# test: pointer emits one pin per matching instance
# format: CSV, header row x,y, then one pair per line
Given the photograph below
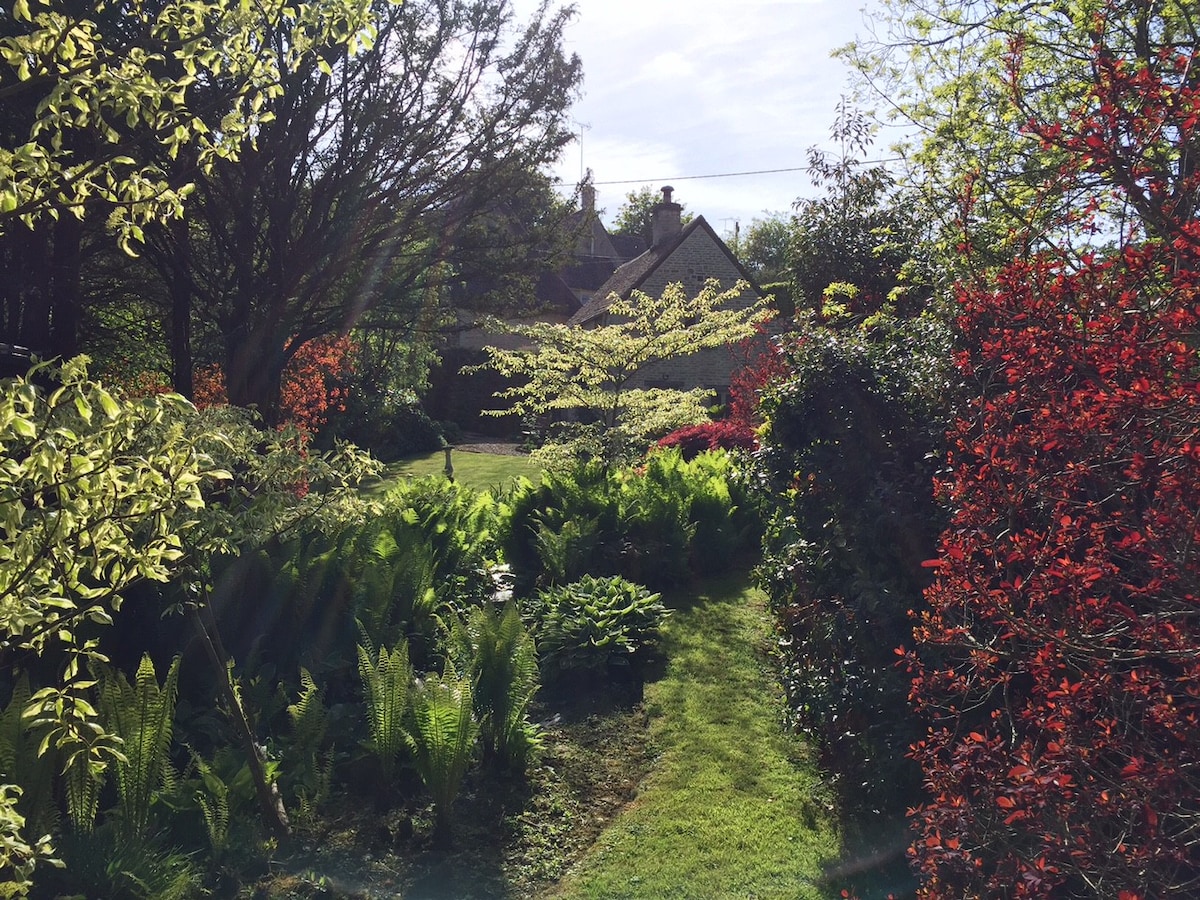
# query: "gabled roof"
x,y
588,273
637,272
592,238
554,293
628,246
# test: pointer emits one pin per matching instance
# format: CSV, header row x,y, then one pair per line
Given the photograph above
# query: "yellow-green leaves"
x,y
597,369
90,495
125,91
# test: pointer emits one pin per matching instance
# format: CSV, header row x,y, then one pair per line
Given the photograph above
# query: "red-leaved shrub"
x,y
1058,663
312,386
725,434
1060,656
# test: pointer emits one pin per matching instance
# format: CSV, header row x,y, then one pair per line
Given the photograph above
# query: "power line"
x,y
733,174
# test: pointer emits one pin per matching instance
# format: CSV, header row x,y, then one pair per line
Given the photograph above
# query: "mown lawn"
x,y
734,807
482,471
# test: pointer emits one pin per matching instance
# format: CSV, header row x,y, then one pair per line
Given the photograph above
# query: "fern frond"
x,y
442,739
22,765
386,678
142,716
83,782
12,726
308,715
213,800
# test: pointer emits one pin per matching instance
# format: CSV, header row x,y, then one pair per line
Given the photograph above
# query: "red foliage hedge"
x,y
1060,657
726,434
1059,660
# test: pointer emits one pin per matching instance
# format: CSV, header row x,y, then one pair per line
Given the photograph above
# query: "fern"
x,y
308,715
311,795
386,678
496,651
213,801
142,715
23,766
311,775
442,741
393,594
567,549
82,782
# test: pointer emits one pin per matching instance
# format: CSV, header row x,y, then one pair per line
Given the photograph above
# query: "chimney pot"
x,y
666,219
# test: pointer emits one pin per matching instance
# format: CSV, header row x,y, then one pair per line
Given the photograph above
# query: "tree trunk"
x,y
180,287
62,287
254,371
270,803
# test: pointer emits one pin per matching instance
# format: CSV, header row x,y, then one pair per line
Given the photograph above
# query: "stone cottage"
x,y
579,294
690,255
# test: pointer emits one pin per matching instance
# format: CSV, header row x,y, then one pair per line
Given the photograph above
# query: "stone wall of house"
x,y
696,260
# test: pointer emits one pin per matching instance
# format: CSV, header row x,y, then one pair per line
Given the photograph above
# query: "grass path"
x,y
733,808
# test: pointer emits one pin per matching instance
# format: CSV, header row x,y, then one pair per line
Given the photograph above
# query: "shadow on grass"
x,y
873,863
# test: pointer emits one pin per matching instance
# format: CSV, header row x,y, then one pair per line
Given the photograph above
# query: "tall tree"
x,y
862,231
108,113
764,248
364,194
635,216
965,76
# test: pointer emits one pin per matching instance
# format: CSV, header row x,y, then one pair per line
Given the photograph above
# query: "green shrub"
x,y
391,429
580,625
852,439
657,524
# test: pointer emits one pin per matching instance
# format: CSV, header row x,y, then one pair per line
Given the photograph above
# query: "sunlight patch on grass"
x,y
482,471
734,807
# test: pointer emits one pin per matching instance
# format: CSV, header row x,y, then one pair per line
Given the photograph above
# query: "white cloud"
x,y
677,88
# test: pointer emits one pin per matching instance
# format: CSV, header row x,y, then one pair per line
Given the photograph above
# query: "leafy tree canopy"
x,y
382,186
105,83
594,371
765,248
968,76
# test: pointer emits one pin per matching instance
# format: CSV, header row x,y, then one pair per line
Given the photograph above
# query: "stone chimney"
x,y
587,195
665,220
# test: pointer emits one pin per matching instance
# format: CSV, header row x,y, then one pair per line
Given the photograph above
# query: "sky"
x,y
680,88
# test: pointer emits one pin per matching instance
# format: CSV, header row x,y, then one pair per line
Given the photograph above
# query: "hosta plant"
x,y
580,625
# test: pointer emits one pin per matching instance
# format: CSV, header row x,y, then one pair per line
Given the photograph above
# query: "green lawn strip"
x,y
482,471
734,807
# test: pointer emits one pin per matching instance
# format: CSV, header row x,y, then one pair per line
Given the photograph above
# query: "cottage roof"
x,y
554,293
628,246
635,273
